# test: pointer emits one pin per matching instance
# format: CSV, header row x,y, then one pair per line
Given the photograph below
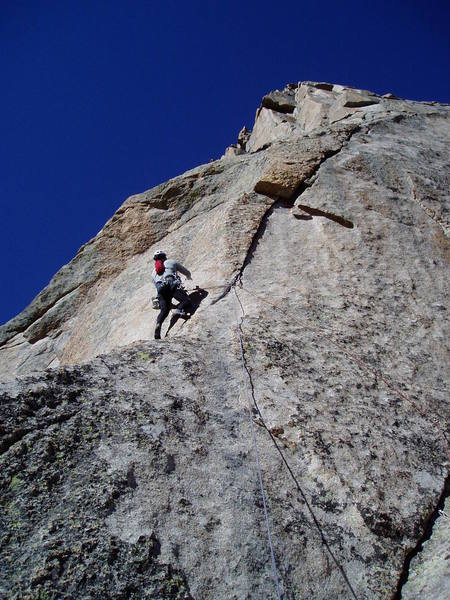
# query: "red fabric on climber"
x,y
159,266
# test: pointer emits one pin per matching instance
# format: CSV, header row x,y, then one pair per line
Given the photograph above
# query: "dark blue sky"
x,y
104,99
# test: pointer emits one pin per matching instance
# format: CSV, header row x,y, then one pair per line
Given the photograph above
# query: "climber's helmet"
x,y
159,255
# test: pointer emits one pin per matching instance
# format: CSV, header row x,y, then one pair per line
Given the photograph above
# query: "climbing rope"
x,y
287,465
374,372
364,366
258,464
246,375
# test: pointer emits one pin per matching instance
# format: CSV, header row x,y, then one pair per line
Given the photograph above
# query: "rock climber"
x,y
168,285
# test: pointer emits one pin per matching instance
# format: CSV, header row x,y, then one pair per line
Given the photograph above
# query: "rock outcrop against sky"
x,y
127,465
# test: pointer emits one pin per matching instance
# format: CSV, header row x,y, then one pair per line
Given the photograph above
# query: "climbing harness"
x,y
173,281
258,464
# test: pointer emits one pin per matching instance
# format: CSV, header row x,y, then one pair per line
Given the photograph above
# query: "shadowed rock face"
x,y
127,467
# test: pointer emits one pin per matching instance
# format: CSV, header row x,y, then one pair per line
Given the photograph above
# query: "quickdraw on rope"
x,y
258,464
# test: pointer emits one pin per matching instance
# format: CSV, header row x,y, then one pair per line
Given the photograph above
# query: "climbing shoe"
x,y
158,332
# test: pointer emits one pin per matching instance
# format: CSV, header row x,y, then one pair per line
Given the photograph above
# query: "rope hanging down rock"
x,y
258,464
375,373
288,467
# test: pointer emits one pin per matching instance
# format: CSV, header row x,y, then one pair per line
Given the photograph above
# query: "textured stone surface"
x,y
283,102
355,99
127,468
429,573
269,127
285,174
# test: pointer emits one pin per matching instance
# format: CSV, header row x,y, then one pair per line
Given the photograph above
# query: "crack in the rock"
x,y
251,250
426,535
288,203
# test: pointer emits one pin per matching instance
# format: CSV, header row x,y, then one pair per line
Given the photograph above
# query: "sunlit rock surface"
x,y
127,463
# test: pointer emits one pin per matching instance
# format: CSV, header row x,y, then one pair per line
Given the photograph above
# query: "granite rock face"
x,y
127,465
429,573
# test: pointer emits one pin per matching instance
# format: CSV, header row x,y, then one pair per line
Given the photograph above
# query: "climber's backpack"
x,y
159,266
